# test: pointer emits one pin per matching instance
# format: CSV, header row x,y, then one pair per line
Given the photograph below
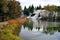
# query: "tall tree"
x,y
14,9
3,8
26,11
31,9
58,8
10,9
38,7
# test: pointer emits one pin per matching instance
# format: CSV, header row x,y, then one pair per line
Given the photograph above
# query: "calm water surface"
x,y
40,30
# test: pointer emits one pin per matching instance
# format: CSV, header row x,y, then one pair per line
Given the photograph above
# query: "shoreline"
x,y
11,29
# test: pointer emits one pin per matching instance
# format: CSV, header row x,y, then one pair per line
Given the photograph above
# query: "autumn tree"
x,y
10,9
14,9
51,8
3,8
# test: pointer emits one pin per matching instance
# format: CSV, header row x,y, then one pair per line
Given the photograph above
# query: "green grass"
x,y
8,33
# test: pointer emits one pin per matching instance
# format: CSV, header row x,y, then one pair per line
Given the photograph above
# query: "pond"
x,y
40,30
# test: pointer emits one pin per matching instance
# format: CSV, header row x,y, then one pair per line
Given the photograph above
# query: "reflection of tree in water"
x,y
38,28
29,24
45,27
52,30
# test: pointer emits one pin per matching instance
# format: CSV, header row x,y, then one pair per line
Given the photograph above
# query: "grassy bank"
x,y
11,29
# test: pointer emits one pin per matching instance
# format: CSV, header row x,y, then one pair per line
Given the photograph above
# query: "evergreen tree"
x,y
31,9
58,8
26,11
38,7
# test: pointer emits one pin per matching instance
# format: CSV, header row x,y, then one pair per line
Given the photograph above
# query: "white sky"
x,y
27,3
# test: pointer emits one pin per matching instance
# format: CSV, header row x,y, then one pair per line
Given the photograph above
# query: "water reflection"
x,y
44,26
40,30
28,24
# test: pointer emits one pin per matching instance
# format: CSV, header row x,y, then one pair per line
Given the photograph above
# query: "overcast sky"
x,y
27,3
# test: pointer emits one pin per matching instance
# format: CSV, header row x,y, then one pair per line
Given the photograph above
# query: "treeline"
x,y
58,8
51,8
9,9
26,11
30,9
